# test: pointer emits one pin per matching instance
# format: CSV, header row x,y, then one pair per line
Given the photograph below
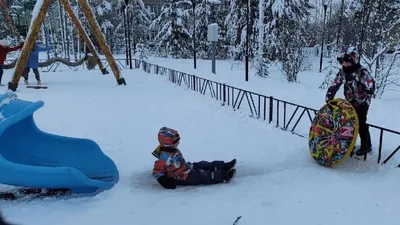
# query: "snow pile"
x,y
5,100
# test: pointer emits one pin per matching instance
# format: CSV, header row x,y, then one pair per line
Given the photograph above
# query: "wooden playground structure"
x,y
33,33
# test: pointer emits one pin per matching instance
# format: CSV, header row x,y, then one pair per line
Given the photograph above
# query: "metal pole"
x,y
214,51
125,34
247,41
130,20
323,37
213,43
194,33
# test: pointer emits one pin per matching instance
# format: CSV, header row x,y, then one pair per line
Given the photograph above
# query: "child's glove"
x,y
167,182
328,96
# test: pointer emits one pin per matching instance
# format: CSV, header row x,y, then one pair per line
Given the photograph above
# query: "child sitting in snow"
x,y
171,169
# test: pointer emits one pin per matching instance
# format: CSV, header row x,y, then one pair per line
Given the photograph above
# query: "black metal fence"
x,y
285,115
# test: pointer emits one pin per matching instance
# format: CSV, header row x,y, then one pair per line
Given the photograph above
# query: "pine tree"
x,y
289,17
261,62
223,41
140,17
173,27
205,14
236,25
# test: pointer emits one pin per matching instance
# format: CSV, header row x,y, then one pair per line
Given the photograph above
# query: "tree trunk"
x,y
339,32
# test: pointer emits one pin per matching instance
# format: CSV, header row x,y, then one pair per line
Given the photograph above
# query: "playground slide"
x,y
32,158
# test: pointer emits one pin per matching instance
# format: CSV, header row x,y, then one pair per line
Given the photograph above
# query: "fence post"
x,y
176,77
271,108
224,93
194,83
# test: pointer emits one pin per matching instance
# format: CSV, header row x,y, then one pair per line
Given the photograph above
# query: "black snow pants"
x,y
35,71
363,130
204,172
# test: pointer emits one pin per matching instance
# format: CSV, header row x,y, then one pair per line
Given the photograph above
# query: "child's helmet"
x,y
168,137
349,54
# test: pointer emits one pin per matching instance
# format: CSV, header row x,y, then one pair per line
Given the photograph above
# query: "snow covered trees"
x,y
374,27
283,27
380,26
289,20
173,27
205,14
236,28
136,24
279,31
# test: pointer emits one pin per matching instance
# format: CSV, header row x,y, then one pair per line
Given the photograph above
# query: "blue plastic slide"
x,y
32,158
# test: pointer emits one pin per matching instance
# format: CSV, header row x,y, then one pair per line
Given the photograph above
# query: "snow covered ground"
x,y
277,181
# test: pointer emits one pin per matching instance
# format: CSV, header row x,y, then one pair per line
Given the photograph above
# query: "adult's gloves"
x,y
329,96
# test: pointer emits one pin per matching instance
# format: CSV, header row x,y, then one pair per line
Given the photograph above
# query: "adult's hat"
x,y
349,54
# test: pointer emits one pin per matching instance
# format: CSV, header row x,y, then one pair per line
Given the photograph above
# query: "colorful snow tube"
x,y
333,133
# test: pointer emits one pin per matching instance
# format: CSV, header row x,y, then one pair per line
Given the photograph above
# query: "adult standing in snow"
x,y
359,87
4,50
33,63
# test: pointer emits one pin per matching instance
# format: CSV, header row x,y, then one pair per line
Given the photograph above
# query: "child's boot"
x,y
230,175
230,165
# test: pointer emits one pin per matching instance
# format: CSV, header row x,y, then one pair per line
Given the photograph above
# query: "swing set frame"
x,y
33,34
